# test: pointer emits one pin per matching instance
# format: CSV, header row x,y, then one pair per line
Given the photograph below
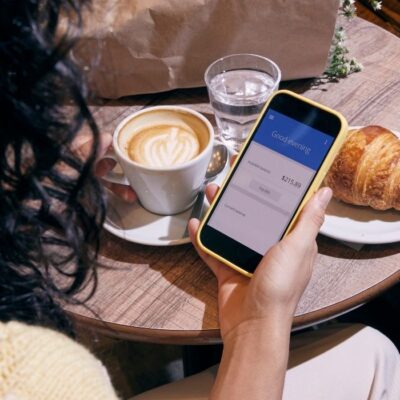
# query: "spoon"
x,y
217,163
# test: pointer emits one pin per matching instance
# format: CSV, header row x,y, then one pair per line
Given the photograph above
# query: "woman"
x,y
51,211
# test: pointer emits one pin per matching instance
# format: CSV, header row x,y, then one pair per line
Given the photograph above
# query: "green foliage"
x,y
340,64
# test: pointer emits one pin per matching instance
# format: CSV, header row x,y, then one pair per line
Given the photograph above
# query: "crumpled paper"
x,y
145,46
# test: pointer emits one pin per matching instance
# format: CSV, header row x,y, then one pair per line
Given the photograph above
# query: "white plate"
x,y
359,224
133,223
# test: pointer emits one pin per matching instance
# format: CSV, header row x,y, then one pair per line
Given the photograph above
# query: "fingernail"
x,y
324,197
129,196
109,163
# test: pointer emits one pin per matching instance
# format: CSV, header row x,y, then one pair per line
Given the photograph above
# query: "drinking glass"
x,y
238,86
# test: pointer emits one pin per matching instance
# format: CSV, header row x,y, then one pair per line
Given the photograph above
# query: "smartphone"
x,y
280,166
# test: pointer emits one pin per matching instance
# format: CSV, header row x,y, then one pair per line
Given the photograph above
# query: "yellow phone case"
x,y
319,177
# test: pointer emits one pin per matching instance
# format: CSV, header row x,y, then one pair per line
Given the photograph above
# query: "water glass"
x,y
238,86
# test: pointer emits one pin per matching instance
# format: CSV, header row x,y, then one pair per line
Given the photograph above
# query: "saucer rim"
x,y
155,242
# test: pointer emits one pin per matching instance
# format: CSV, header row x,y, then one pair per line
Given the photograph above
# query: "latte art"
x,y
164,146
164,153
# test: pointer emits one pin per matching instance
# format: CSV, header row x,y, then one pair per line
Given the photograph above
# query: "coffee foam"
x,y
163,146
163,138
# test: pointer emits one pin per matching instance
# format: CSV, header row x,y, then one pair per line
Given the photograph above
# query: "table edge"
x,y
212,336
346,305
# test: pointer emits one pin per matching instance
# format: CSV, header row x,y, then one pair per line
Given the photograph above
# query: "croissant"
x,y
366,171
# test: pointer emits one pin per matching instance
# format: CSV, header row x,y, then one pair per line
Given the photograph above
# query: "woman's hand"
x,y
82,146
255,315
279,280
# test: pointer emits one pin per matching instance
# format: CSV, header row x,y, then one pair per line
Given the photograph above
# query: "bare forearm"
x,y
254,362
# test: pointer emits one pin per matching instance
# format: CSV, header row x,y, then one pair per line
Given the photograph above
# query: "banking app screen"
x,y
273,176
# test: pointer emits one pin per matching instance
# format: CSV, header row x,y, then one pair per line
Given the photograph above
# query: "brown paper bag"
x,y
144,46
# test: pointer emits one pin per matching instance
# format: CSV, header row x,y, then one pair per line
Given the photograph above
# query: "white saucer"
x,y
359,224
133,223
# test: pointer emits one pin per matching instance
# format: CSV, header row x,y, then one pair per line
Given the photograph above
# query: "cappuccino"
x,y
164,153
163,139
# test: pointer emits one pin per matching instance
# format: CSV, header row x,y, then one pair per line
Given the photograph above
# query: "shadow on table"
x,y
186,275
303,85
334,248
189,96
193,96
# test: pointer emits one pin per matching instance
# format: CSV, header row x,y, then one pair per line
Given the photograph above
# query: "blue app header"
x,y
293,139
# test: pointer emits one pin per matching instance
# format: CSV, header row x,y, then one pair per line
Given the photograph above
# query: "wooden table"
x,y
167,294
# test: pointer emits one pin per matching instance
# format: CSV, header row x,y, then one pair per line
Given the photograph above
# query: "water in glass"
x,y
237,98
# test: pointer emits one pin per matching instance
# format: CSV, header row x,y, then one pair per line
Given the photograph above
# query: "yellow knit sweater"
x,y
41,364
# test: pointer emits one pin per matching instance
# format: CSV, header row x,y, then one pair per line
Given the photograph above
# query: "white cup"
x,y
163,190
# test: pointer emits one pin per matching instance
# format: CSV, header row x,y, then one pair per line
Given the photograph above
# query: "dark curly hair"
x,y
51,205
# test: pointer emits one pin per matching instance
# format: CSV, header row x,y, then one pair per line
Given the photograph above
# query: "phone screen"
x,y
269,183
